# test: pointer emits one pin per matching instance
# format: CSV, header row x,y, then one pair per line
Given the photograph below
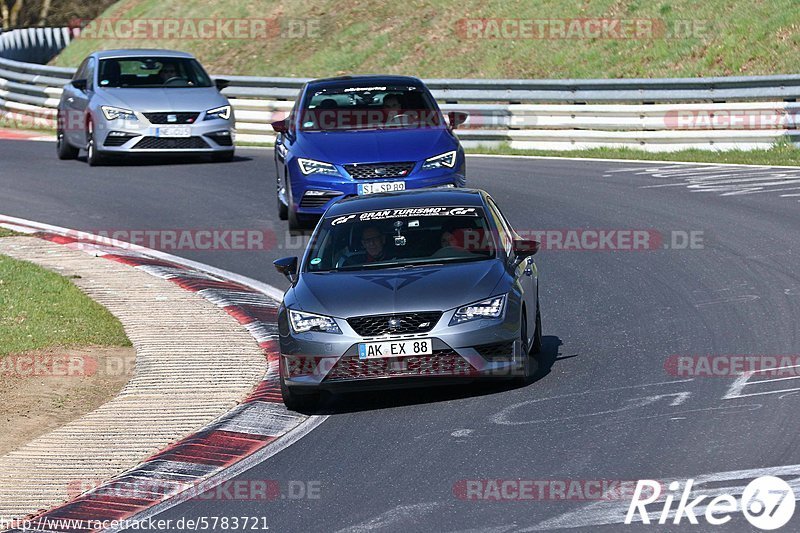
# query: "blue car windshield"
x,y
343,107
402,237
152,72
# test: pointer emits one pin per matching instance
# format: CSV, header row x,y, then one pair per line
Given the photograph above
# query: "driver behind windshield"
x,y
374,243
167,72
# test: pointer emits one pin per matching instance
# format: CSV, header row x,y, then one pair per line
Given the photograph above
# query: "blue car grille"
x,y
369,171
317,200
396,324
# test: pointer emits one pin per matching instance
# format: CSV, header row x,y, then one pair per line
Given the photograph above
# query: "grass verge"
x,y
40,309
453,38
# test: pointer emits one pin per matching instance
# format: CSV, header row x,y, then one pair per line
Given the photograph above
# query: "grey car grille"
x,y
395,324
441,363
171,118
170,143
379,170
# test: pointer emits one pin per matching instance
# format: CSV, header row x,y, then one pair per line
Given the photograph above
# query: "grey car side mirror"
x,y
79,84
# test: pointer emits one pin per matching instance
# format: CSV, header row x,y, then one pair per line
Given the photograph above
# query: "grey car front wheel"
x,y
93,157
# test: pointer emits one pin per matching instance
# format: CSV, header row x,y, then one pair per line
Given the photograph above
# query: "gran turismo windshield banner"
x,y
385,214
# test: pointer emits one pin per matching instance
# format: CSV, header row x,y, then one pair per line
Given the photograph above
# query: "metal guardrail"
x,y
651,114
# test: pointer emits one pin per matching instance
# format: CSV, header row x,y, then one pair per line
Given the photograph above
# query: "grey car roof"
x,y
138,52
410,198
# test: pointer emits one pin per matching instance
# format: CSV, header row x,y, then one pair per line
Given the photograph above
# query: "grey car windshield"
x,y
401,237
152,72
358,108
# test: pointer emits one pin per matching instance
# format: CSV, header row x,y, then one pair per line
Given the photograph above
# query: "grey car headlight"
x,y
303,322
445,160
223,112
307,166
489,308
114,113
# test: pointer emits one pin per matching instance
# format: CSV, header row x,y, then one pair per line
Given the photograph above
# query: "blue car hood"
x,y
366,292
374,146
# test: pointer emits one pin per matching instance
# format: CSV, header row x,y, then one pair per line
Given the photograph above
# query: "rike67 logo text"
x,y
767,502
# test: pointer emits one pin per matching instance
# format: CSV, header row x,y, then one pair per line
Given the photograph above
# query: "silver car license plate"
x,y
376,350
174,131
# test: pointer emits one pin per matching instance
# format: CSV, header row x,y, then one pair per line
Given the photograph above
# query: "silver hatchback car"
x,y
144,101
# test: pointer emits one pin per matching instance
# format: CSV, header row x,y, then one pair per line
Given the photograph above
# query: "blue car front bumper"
x,y
314,193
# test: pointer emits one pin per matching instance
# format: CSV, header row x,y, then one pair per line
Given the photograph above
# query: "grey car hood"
x,y
430,288
169,99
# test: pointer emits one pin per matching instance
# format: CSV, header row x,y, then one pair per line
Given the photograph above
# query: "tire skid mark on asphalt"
x,y
184,466
723,180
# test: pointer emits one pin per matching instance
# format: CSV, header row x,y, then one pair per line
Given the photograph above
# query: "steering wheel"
x,y
396,119
174,79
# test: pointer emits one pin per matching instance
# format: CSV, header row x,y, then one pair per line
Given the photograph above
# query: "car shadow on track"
x,y
350,402
163,160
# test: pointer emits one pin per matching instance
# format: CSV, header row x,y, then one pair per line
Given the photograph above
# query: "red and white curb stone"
x,y
211,455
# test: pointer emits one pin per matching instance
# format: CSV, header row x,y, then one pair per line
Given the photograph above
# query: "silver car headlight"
x,y
445,160
307,166
114,113
303,322
489,308
223,112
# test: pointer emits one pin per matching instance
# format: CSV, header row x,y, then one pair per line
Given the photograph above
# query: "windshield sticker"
x,y
316,261
352,89
407,212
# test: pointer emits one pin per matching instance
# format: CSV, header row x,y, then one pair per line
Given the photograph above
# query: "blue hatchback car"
x,y
358,135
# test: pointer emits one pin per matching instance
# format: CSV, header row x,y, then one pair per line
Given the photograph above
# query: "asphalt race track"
x,y
604,406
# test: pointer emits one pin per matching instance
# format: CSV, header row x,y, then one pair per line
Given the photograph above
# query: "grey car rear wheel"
x,y
528,365
63,148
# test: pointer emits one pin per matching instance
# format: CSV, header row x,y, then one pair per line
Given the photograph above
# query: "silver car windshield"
x,y
404,237
151,72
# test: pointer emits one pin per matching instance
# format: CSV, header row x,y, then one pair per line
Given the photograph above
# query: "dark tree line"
x,y
25,13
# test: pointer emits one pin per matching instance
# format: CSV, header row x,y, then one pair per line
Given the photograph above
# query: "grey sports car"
x,y
143,101
408,288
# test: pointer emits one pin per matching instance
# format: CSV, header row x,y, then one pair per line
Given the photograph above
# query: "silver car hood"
x,y
366,292
171,99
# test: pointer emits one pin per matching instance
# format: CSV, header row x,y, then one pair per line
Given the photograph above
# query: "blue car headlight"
x,y
223,112
114,113
303,322
445,160
489,308
309,166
